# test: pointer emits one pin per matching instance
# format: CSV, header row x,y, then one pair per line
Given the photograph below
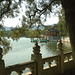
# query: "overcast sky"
x,y
15,21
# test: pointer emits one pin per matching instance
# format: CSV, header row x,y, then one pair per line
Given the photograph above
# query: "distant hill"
x,y
41,27
7,28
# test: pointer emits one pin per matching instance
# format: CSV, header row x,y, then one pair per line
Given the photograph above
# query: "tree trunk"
x,y
69,7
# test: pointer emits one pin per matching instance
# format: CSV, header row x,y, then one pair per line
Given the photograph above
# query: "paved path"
x,y
70,72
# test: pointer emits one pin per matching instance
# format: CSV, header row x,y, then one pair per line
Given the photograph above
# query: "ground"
x,y
70,72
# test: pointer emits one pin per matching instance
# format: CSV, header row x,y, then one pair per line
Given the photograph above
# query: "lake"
x,y
22,50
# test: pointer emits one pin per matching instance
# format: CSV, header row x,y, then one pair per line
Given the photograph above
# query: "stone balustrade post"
x,y
61,56
37,57
2,65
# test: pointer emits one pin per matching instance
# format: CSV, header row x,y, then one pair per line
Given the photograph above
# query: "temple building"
x,y
53,34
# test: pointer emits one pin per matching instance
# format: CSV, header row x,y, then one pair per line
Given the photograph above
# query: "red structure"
x,y
52,32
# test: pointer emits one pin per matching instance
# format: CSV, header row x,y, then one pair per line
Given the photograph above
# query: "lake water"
x,y
22,50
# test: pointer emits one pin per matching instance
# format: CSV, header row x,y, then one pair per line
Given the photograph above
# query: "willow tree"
x,y
34,34
8,8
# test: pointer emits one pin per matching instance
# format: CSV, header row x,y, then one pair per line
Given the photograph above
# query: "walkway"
x,y
70,72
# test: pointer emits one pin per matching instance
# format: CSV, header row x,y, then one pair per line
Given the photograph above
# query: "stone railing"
x,y
68,57
57,64
19,68
49,61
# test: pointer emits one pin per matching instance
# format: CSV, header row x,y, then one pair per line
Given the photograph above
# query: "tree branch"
x,y
47,6
8,9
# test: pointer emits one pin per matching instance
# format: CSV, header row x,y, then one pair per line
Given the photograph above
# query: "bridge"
x,y
56,65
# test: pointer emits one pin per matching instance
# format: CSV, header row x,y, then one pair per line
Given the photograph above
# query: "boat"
x,y
34,40
41,41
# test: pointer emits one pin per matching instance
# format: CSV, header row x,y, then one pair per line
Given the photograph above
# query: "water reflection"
x,y
22,50
53,46
50,46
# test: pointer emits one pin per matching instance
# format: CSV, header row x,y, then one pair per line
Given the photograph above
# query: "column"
x,y
61,56
37,57
2,65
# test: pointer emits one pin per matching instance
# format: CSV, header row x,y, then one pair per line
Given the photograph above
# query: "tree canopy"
x,y
34,12
62,27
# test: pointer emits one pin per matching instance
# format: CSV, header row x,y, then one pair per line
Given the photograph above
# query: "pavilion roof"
x,y
51,29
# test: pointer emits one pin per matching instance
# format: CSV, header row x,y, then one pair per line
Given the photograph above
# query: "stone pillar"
x,y
61,56
2,65
37,57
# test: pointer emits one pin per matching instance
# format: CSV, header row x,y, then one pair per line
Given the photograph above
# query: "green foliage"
x,y
61,24
2,33
44,32
19,32
9,8
32,16
7,33
34,34
5,44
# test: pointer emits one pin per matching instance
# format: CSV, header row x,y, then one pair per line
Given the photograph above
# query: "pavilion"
x,y
52,34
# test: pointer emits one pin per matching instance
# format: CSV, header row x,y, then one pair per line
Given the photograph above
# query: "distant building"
x,y
53,34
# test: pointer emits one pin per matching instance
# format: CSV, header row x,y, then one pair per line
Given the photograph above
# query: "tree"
x,y
7,9
34,34
31,17
4,43
18,32
61,24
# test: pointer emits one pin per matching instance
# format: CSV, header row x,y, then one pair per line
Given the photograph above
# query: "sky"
x,y
13,22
